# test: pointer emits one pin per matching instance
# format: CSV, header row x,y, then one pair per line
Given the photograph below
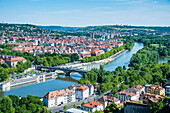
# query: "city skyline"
x,y
86,12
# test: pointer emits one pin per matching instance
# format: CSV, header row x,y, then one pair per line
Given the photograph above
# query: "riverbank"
x,y
40,89
6,85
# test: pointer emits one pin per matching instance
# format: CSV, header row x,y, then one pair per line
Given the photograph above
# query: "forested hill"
x,y
126,28
14,30
60,28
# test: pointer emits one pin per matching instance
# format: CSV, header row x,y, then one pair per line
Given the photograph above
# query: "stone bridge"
x,y
66,70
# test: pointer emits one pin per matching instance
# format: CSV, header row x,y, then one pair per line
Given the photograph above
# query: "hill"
x,y
125,28
60,28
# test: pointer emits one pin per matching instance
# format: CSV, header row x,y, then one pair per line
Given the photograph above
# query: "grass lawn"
x,y
157,45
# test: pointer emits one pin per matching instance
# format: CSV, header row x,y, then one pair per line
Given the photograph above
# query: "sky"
x,y
80,13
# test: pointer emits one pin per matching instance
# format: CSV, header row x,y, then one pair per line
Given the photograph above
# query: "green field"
x,y
157,45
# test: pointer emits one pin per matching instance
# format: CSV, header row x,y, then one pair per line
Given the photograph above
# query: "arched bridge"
x,y
67,70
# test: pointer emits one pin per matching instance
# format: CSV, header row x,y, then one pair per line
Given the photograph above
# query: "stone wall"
x,y
130,107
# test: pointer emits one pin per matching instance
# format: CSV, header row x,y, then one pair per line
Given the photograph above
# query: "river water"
x,y
40,89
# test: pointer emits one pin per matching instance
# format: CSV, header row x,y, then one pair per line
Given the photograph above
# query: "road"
x,y
78,103
70,105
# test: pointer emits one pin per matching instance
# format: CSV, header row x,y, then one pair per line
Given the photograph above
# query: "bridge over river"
x,y
66,70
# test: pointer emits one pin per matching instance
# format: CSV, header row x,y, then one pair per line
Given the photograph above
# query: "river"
x,y
40,89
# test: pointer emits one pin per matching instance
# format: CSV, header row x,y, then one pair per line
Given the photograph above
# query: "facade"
x,y
131,107
2,61
91,89
74,86
105,100
124,95
155,89
96,52
85,54
167,91
150,98
137,89
11,60
93,106
59,97
74,110
82,92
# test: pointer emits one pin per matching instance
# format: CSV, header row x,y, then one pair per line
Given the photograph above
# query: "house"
x,y
155,89
74,110
85,54
150,98
105,100
91,88
96,52
137,89
125,95
59,97
12,61
82,92
93,106
2,61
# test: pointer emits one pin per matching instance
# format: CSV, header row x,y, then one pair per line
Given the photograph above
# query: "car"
x,y
59,105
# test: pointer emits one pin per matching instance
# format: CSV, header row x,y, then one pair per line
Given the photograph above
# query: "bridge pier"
x,y
67,73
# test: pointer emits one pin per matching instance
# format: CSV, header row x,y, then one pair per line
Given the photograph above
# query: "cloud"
x,y
154,2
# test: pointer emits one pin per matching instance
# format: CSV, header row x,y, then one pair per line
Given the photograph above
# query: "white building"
x,y
91,89
59,97
82,92
138,90
124,95
75,110
93,106
74,86
105,100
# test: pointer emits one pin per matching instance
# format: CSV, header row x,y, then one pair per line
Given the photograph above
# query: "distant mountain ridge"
x,y
60,28
125,27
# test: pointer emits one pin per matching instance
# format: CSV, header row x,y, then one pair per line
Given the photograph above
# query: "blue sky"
x,y
86,12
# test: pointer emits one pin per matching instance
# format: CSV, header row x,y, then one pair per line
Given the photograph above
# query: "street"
x,y
70,105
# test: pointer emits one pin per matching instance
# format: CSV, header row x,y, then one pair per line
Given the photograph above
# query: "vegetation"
x,y
160,107
157,43
75,106
125,28
102,56
65,107
142,70
9,47
29,104
6,71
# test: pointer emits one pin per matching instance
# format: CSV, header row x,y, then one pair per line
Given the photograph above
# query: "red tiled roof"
x,y
92,104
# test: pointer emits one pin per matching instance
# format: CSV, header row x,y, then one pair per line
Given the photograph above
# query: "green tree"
x,y
75,106
65,107
6,105
74,57
82,103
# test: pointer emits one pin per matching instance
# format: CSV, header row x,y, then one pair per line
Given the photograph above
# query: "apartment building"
x,y
91,88
59,97
82,92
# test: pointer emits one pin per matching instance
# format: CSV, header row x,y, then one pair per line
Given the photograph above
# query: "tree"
x,y
74,57
65,107
6,105
82,103
75,106
32,107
